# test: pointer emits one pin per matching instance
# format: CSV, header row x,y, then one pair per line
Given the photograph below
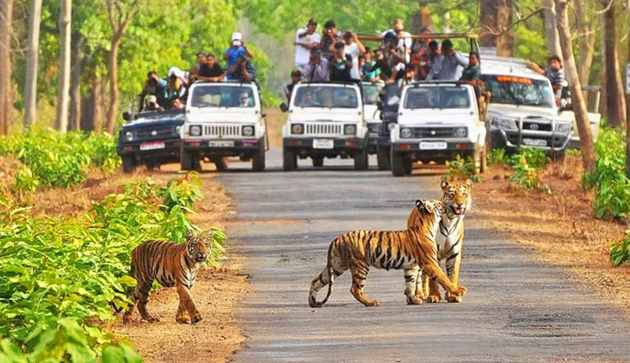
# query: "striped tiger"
x,y
457,200
358,250
171,265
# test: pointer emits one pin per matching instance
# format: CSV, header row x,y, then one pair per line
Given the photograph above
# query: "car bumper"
x,y
514,140
338,144
155,150
222,147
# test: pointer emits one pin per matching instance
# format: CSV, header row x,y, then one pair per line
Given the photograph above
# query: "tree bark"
x,y
114,94
75,85
551,28
421,18
63,96
6,20
92,112
487,23
628,107
577,98
586,41
505,42
615,102
32,55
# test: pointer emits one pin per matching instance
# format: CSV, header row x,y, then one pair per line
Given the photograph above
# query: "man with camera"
x,y
330,36
237,46
317,68
305,40
243,70
156,86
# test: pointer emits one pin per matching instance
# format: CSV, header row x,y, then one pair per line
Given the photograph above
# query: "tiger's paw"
x,y
434,298
195,319
182,320
459,291
371,303
126,318
453,298
151,318
414,300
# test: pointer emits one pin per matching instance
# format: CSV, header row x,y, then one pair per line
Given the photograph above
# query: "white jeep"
x,y
436,122
223,119
326,120
522,110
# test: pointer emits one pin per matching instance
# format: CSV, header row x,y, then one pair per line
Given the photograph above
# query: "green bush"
x,y
612,199
619,251
535,158
461,169
498,157
58,277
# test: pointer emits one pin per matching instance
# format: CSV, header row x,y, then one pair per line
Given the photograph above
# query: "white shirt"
x,y
353,50
302,54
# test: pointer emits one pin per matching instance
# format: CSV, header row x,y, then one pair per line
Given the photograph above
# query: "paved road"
x,y
516,310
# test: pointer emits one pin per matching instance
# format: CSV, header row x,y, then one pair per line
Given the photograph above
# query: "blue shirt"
x,y
233,57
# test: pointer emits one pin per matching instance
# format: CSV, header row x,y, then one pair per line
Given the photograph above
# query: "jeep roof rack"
x,y
332,82
437,82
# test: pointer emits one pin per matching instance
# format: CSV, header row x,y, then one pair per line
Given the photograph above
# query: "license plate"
x,y
152,145
221,143
323,144
535,142
374,135
433,146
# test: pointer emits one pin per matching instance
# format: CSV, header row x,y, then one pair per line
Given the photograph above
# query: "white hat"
x,y
237,36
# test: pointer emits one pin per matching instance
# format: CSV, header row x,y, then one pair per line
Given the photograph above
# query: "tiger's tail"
x,y
331,279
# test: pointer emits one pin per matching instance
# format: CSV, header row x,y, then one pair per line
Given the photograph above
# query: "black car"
x,y
151,138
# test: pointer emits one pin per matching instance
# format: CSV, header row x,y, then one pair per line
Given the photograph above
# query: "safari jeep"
x,y
523,111
150,138
326,120
436,122
223,119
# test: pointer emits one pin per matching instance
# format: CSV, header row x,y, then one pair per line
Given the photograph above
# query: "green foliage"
x,y
535,158
462,169
613,186
620,251
59,277
498,157
525,175
51,159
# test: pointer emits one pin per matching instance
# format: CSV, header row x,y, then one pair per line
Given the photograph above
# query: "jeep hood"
x,y
515,111
426,116
324,114
223,115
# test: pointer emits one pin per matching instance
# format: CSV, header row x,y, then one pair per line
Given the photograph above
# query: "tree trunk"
x,y
615,102
586,42
628,106
32,54
112,112
6,19
63,96
505,42
75,85
92,113
577,98
421,18
487,23
551,28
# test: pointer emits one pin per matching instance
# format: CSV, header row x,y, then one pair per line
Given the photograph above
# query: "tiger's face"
x,y
198,246
457,197
430,210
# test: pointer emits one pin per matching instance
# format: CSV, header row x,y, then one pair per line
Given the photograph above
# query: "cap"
x,y
152,99
390,36
237,36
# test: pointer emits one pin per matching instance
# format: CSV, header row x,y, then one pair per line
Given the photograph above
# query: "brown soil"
x,y
558,223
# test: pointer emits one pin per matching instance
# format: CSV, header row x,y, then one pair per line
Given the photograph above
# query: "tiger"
x,y
171,265
358,250
457,200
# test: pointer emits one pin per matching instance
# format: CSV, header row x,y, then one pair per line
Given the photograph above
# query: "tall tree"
x,y
421,18
551,27
495,31
577,97
63,97
586,39
6,20
120,13
628,105
615,102
32,56
75,81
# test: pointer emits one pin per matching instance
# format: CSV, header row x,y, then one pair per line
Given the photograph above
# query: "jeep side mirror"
x,y
127,116
284,107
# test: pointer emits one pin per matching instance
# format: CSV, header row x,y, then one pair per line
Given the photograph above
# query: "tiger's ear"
x,y
419,203
469,182
444,184
189,234
210,234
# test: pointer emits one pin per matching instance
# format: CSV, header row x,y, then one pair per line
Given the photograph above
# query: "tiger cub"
x,y
457,200
171,265
358,250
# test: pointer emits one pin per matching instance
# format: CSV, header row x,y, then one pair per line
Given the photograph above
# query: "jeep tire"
x,y
220,162
289,159
397,161
407,164
128,164
361,159
318,161
258,159
382,156
190,161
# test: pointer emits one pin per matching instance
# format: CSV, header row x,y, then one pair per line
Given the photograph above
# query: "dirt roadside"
x,y
560,225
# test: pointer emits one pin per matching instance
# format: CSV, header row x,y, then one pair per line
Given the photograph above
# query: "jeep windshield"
x,y
217,95
451,97
371,92
514,90
326,97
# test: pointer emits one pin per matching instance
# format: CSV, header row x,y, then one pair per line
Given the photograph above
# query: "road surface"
x,y
516,309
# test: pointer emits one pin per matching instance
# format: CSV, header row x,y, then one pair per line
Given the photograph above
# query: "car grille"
x,y
374,127
324,129
536,126
155,133
433,132
222,130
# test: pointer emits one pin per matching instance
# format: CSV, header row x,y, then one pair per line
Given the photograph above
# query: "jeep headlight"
x,y
505,124
129,136
460,132
349,130
391,126
405,133
297,129
178,130
563,128
248,130
195,130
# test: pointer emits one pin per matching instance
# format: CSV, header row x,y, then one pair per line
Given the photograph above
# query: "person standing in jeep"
x,y
237,46
210,71
340,64
305,40
330,36
243,70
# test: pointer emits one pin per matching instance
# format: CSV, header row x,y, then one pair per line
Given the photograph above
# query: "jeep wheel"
x,y
397,163
190,161
128,164
318,161
289,160
152,165
258,161
407,164
220,162
382,156
361,159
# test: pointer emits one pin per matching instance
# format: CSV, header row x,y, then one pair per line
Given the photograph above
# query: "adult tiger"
x,y
358,250
457,200
171,265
